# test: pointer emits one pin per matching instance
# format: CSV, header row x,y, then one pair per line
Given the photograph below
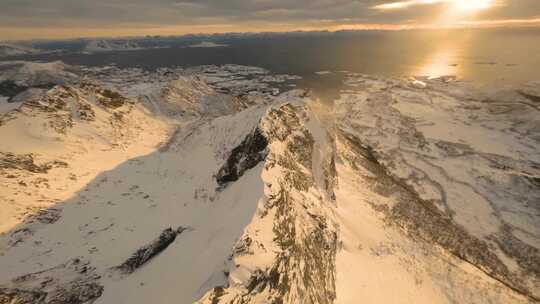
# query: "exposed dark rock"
x,y
76,294
530,97
11,89
243,246
18,296
306,238
311,250
244,157
46,216
86,112
26,162
294,174
304,268
284,125
527,256
258,280
284,121
70,283
49,103
534,181
146,253
111,99
330,175
216,294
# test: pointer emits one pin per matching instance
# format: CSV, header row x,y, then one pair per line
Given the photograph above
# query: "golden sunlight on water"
x,y
443,61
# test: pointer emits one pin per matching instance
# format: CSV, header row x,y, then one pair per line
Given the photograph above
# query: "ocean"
x,y
492,57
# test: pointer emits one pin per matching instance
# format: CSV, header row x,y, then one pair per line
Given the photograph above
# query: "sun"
x,y
456,11
472,5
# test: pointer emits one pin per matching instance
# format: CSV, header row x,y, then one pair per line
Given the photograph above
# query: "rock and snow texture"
x,y
15,50
21,81
95,46
208,185
36,74
450,167
368,199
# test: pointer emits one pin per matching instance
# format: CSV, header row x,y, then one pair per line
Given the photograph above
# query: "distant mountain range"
x,y
110,45
98,45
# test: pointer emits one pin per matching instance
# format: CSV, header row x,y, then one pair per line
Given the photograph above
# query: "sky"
x,y
28,19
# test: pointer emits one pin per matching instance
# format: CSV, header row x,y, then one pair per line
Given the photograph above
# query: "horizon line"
x,y
485,24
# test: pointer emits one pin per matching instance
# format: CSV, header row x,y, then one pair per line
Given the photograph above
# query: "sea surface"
x,y
485,56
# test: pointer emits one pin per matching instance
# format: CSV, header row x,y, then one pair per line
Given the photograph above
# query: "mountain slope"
x,y
375,221
15,50
206,185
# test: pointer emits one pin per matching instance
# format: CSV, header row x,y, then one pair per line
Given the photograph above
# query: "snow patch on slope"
x,y
15,50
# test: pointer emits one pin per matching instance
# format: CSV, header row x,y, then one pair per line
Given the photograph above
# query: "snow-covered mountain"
x,y
15,50
209,185
207,44
102,45
34,74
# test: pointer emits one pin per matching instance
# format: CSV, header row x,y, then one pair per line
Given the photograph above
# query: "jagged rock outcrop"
x,y
146,253
244,157
304,237
374,148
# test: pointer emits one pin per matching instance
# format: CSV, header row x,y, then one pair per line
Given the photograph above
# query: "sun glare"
x,y
459,10
472,5
461,5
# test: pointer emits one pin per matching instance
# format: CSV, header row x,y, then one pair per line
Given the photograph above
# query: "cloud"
x,y
532,21
459,4
152,14
406,4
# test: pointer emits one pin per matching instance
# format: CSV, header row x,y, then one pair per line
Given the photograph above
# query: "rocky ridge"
x,y
430,189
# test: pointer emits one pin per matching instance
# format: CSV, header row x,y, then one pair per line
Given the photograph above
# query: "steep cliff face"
x,y
287,253
370,197
205,185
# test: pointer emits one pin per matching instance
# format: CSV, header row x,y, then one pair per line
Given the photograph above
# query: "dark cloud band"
x,y
156,13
